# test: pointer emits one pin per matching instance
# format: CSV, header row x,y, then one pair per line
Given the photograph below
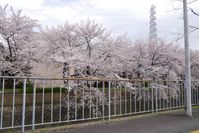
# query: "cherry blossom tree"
x,y
194,64
158,61
75,46
16,32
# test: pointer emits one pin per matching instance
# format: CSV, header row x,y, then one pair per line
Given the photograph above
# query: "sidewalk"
x,y
172,122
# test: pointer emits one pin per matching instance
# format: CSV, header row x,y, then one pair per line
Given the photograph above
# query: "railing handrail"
x,y
90,79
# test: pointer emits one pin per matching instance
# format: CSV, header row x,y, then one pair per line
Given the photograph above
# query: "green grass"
x,y
46,90
195,107
30,90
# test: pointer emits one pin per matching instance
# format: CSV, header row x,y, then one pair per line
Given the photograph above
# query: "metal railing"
x,y
30,102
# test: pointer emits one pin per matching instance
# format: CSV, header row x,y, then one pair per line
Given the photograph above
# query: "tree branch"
x,y
192,1
194,12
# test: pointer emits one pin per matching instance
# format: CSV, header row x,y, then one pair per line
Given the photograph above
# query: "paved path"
x,y
174,122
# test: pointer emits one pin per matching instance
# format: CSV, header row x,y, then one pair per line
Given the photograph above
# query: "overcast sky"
x,y
118,16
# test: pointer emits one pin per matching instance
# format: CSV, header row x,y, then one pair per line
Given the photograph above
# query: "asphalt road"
x,y
175,122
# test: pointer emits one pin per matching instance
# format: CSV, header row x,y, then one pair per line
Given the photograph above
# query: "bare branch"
x,y
192,29
194,12
192,1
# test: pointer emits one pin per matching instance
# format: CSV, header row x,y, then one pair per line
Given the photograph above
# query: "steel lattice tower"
x,y
152,28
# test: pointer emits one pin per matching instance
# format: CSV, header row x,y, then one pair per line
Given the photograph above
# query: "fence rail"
x,y
30,102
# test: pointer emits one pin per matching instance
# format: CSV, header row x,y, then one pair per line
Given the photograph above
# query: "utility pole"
x,y
187,61
153,25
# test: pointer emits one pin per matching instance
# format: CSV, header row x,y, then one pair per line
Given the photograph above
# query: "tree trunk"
x,y
65,73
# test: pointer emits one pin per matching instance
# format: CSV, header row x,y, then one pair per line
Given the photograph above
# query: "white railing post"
x,y
144,94
109,100
120,99
68,102
97,100
83,102
156,97
2,102
152,100
43,98
197,96
130,101
125,101
24,104
90,100
52,93
140,97
60,101
148,94
13,101
33,106
75,103
103,86
115,109
135,100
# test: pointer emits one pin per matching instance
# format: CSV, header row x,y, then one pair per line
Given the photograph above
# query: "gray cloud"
x,y
58,3
118,16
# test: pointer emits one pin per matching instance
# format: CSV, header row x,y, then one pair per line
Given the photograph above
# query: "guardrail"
x,y
30,102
